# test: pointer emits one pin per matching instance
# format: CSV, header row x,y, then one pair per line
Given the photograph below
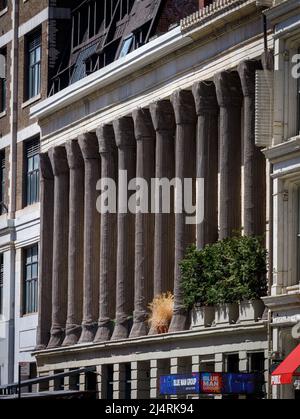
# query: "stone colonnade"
x,y
98,273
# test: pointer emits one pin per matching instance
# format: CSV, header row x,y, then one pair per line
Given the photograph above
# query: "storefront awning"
x,y
286,370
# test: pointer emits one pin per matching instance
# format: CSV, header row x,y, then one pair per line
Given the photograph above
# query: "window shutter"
x,y
264,108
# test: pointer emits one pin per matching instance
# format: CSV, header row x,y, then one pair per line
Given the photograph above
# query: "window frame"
x,y
3,208
3,5
3,84
33,86
30,304
31,175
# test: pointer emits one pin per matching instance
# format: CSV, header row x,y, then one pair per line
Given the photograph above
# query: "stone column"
x,y
76,223
46,252
254,160
229,94
124,134
144,225
207,109
90,151
164,124
58,158
108,238
185,162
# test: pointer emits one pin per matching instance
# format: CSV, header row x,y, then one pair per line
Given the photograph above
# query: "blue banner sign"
x,y
211,383
179,384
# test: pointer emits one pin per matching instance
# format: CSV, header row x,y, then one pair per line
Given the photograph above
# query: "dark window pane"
x,y
33,173
31,280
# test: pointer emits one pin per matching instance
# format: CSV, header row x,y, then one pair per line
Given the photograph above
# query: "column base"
x,y
122,329
179,322
139,329
88,333
104,332
73,333
56,339
152,331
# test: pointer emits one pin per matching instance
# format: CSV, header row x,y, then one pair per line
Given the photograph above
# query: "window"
x,y
3,5
3,208
1,282
2,80
232,363
30,280
34,55
298,100
127,44
32,149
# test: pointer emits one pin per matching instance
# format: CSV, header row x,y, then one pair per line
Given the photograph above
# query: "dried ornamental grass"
x,y
161,310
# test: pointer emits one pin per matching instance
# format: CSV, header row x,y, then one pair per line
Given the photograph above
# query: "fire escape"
x,y
102,32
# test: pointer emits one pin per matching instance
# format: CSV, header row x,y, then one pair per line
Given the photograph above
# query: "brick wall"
x,y
5,120
174,11
5,20
20,177
30,8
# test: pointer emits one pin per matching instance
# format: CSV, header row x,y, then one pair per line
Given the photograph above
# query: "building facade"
x,y
154,89
28,31
153,112
284,162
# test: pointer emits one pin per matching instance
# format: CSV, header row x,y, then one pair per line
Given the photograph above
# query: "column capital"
x,y
246,71
205,98
229,89
106,139
124,132
163,117
59,162
143,126
89,146
45,166
184,107
74,155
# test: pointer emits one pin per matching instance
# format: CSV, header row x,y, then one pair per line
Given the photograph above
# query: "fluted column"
x,y
108,239
144,223
207,109
164,124
254,160
58,158
45,252
229,94
125,141
90,152
76,223
185,161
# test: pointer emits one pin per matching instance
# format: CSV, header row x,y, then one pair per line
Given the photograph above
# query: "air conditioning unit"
x,y
2,66
264,108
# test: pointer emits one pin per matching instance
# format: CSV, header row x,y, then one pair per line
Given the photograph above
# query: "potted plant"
x,y
196,284
161,310
229,275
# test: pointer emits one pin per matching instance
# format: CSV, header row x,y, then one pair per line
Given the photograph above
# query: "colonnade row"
x,y
98,273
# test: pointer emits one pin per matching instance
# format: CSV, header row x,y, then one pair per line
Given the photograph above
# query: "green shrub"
x,y
228,271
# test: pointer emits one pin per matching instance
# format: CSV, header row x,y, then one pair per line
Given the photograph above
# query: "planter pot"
x,y
251,311
202,317
227,314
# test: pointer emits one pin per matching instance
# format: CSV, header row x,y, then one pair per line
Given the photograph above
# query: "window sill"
x,y
2,114
31,101
3,12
